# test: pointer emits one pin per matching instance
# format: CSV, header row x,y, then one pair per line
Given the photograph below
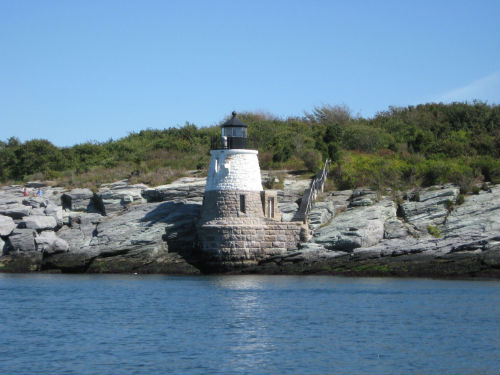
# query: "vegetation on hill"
x,y
401,147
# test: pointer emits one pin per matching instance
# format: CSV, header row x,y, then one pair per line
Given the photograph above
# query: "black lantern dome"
x,y
234,133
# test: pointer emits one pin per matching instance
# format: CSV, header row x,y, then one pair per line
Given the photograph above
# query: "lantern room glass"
x,y
234,131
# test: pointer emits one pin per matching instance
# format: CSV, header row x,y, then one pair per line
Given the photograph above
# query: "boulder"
x,y
15,210
35,202
38,222
38,211
56,212
49,243
356,227
78,200
22,240
7,225
114,198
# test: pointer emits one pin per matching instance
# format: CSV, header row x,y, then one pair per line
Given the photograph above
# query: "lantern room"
x,y
234,133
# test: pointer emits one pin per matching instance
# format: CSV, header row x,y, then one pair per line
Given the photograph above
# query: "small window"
x,y
242,203
216,167
270,207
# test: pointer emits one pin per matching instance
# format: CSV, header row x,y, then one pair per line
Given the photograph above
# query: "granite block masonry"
x,y
240,224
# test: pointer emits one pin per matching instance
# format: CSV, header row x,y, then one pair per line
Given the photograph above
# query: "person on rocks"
x,y
25,192
40,192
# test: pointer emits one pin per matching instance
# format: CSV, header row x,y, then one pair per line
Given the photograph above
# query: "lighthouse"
x,y
240,224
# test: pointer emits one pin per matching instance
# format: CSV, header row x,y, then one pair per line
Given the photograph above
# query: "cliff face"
x,y
134,228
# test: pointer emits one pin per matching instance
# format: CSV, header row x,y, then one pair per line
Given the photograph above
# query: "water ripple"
x,y
88,324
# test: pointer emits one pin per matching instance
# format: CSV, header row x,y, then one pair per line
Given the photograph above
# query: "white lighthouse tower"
x,y
240,223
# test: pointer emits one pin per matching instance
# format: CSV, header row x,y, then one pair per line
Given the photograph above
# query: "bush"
x,y
488,167
312,160
433,231
401,147
365,138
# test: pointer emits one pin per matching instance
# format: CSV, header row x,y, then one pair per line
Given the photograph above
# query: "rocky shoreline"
x,y
123,228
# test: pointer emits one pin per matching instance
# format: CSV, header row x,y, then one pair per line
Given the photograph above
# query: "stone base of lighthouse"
x,y
228,246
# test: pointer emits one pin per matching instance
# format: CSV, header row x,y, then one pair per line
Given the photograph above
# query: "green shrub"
x,y
312,160
400,148
433,231
273,182
366,138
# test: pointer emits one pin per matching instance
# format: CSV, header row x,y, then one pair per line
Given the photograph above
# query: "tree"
x,y
328,114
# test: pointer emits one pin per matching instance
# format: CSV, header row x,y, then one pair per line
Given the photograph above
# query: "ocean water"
x,y
132,324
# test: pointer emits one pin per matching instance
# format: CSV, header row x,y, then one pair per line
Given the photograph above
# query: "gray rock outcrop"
x,y
79,200
80,230
480,213
7,225
363,197
22,240
186,188
15,210
134,228
431,207
395,228
48,242
141,227
38,222
114,198
56,212
356,227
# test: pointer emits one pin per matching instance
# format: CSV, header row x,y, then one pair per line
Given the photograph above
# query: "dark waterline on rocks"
x,y
88,324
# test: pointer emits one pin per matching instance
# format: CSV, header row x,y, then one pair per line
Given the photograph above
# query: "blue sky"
x,y
77,71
